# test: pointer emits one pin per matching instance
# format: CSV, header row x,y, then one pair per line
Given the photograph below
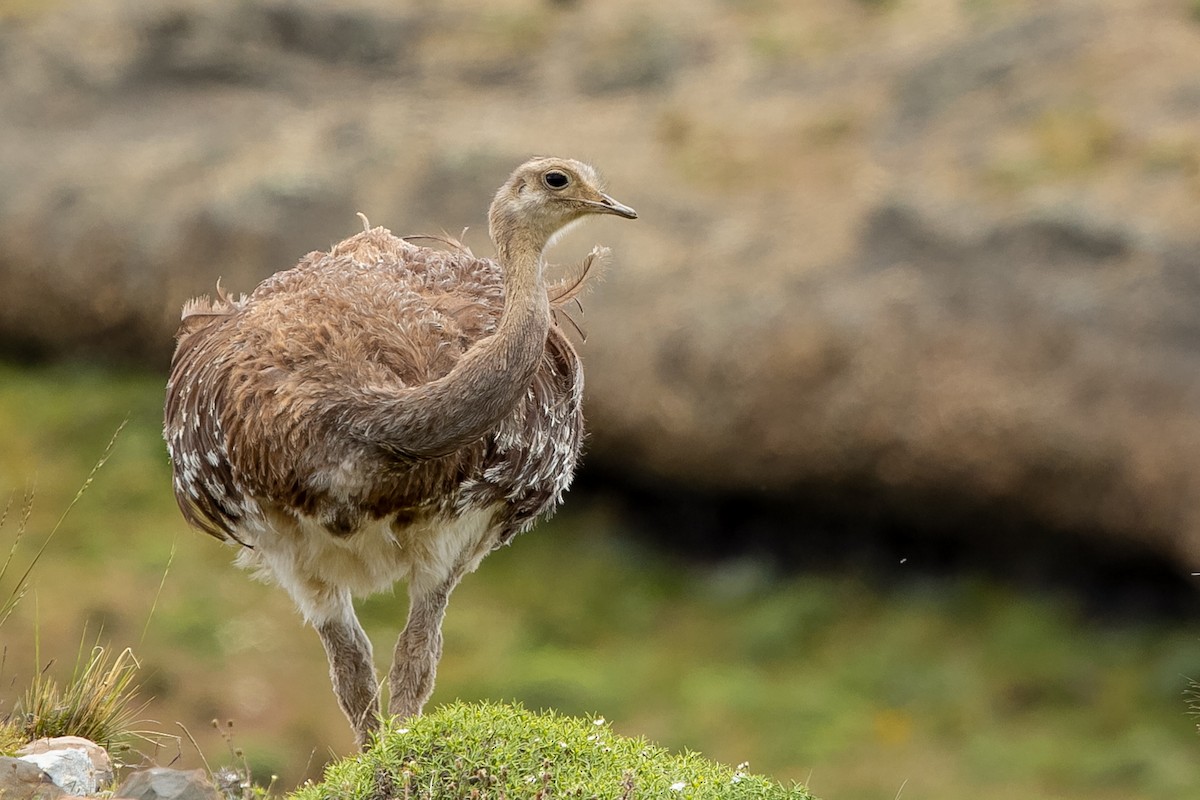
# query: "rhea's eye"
x,y
555,179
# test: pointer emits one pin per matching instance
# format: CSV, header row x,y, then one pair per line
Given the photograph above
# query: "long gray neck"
x,y
483,388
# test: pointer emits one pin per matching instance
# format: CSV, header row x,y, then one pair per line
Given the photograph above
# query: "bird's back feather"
x,y
256,412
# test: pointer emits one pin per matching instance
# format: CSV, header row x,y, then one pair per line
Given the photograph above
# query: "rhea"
x,y
381,412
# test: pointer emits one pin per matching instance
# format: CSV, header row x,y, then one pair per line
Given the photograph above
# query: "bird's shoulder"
x,y
378,257
374,304
379,291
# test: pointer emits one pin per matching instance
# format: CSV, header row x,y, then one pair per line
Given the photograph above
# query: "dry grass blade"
x,y
22,585
108,448
157,595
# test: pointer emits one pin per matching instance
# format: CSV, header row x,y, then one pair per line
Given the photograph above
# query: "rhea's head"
x,y
545,195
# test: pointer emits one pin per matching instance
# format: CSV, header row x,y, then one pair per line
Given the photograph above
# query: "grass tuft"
x,y
97,703
11,738
501,752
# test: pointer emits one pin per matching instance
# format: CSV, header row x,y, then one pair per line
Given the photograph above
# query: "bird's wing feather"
x,y
204,485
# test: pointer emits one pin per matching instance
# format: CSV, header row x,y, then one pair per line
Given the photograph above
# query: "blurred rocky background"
x,y
939,257
928,267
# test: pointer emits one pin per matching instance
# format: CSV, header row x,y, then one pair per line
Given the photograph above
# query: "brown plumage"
x,y
385,411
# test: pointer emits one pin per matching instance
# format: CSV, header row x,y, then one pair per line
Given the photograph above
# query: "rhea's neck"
x,y
491,378
519,252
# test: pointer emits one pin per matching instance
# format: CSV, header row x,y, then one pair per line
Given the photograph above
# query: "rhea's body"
x,y
319,507
383,412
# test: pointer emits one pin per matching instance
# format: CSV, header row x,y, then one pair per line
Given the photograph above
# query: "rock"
x,y
101,763
72,770
162,783
20,780
945,265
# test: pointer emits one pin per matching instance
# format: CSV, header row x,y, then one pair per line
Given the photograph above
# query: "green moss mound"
x,y
502,752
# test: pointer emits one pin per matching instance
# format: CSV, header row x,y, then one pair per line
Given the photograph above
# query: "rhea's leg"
x,y
419,648
352,670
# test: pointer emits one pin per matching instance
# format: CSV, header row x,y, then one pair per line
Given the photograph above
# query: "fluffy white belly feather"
x,y
321,571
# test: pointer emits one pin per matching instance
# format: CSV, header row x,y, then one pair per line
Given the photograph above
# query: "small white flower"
x,y
599,721
678,786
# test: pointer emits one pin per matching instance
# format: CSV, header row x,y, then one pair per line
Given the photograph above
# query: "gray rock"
x,y
162,783
102,767
20,780
70,769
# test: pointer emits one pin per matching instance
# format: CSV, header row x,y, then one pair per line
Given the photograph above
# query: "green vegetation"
x,y
950,688
489,751
11,738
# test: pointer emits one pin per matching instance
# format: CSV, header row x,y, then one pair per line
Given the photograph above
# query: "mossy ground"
x,y
505,752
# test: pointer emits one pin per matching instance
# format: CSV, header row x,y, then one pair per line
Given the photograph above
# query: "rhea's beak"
x,y
609,206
